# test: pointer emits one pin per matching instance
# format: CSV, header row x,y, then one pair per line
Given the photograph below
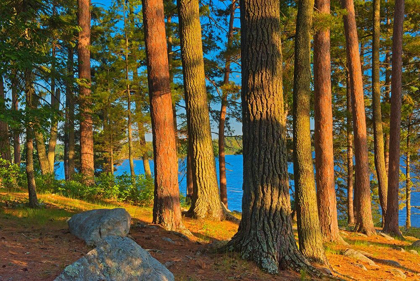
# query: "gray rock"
x,y
116,259
359,256
398,273
361,266
386,236
416,244
391,262
414,252
93,226
168,240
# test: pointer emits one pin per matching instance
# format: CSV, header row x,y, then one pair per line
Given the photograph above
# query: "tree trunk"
x,y
265,232
350,182
377,112
364,222
130,134
55,103
86,123
222,119
145,156
408,183
4,128
324,153
15,107
30,174
40,142
205,200
166,208
70,99
391,221
310,237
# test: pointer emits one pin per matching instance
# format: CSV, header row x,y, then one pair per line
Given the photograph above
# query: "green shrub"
x,y
9,174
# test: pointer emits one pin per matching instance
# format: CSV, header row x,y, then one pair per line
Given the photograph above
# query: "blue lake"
x,y
234,173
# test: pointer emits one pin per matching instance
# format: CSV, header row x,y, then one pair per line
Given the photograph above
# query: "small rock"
x,y
414,252
361,266
386,236
361,234
391,262
359,256
398,273
168,240
153,250
327,271
169,263
401,249
416,244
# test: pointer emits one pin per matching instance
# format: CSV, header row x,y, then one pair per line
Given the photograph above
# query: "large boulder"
x,y
116,259
93,226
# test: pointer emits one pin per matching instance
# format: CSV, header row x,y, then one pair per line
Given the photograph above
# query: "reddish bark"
x,y
86,128
391,221
364,222
166,209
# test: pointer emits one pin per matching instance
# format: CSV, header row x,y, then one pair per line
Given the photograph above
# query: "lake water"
x,y
234,173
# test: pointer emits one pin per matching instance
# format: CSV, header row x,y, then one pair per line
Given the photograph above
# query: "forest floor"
x,y
37,245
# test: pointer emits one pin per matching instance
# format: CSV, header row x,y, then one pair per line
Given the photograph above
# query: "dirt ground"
x,y
36,245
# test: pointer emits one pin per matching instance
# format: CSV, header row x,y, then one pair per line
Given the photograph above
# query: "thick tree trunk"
x,y
205,200
364,222
377,112
408,182
30,173
55,103
15,107
4,128
166,209
222,118
324,153
70,100
265,233
310,237
350,181
391,220
86,123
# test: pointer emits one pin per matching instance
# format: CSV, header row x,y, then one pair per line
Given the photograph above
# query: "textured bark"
x,y
86,123
377,112
222,118
310,237
324,153
171,75
70,101
30,173
205,201
15,107
364,222
391,220
265,232
408,183
350,181
55,103
166,208
4,129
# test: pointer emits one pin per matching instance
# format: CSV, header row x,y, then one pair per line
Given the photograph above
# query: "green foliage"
x,y
10,174
137,191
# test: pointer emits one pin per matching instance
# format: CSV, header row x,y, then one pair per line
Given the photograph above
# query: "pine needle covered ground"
x,y
35,244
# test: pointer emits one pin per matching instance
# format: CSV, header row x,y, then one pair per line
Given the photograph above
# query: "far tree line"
x,y
99,79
